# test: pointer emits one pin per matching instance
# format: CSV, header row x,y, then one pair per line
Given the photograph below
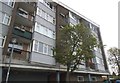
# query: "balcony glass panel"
x,y
22,33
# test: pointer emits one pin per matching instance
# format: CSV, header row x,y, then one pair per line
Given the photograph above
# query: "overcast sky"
x,y
102,12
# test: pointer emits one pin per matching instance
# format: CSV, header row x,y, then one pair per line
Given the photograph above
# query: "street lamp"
x,y
8,72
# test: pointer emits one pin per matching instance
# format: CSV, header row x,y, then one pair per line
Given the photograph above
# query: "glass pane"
x,y
1,39
11,3
40,47
45,49
50,51
36,46
43,14
6,21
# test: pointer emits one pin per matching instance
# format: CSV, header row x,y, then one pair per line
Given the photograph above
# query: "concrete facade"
x,y
35,25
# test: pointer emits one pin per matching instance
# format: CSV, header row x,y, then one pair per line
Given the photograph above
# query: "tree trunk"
x,y
87,64
67,77
67,74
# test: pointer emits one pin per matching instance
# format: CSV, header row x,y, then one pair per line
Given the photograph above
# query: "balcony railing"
x,y
21,33
25,14
18,55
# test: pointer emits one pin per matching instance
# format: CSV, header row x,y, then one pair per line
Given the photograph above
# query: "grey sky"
x,y
104,13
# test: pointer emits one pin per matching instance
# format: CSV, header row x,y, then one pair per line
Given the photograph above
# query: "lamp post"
x,y
8,72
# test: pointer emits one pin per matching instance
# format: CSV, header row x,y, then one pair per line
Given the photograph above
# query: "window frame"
x,y
45,46
34,43
11,1
4,18
2,39
45,31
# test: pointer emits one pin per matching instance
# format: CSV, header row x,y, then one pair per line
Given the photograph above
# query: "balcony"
x,y
24,18
22,33
28,6
19,56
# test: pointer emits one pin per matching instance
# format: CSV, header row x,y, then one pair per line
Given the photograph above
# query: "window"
x,y
95,48
46,16
39,11
54,36
98,60
23,13
17,46
40,47
36,26
50,51
50,18
6,19
93,78
11,3
2,40
90,26
80,78
41,1
92,60
45,31
43,14
35,45
45,49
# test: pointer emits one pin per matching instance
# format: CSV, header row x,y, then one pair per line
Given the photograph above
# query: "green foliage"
x,y
113,59
74,45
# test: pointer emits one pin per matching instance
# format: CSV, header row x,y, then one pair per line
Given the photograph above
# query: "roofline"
x,y
77,13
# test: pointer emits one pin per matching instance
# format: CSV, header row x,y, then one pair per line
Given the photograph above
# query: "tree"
x,y
114,58
74,45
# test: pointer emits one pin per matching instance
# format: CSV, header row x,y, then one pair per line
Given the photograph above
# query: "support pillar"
x,y
58,77
89,78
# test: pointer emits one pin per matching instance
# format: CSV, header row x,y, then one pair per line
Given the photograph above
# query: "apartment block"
x,y
34,26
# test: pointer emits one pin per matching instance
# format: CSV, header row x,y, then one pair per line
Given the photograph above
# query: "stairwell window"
x,y
6,19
